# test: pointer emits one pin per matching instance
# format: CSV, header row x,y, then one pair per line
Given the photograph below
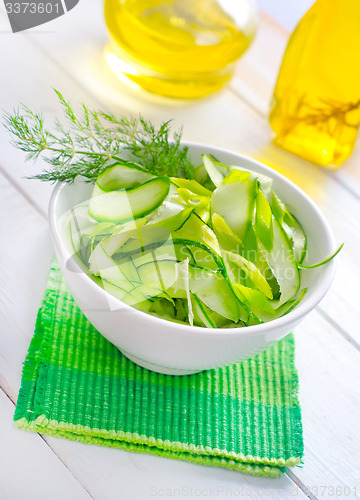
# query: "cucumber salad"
x,y
220,250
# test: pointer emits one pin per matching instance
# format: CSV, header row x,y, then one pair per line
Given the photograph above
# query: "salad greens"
x,y
217,251
211,246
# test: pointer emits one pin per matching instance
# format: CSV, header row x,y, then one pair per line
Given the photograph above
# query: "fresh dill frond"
x,y
84,144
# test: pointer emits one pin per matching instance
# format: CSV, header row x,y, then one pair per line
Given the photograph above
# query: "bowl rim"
x,y
294,316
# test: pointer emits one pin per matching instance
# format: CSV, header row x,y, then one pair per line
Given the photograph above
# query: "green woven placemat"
x,y
77,385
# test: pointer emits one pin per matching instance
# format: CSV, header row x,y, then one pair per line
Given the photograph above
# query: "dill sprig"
x,y
87,142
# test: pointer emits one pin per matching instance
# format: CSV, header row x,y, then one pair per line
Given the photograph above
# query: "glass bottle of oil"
x,y
315,111
178,48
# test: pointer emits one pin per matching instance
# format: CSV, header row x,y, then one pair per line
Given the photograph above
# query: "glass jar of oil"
x,y
315,111
178,48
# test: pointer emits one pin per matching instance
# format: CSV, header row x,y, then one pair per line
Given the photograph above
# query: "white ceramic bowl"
x,y
177,349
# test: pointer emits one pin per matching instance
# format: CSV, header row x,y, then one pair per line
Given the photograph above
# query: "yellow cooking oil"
x,y
315,111
178,48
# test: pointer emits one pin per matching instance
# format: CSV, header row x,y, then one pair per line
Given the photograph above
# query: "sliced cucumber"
x,y
141,297
109,287
124,205
85,240
201,256
257,302
214,173
145,238
74,224
151,293
129,230
263,224
127,267
235,203
103,266
165,211
228,240
282,263
210,287
201,318
236,175
167,251
279,210
264,181
213,289
193,200
162,274
253,253
206,317
298,239
155,241
176,222
122,176
183,278
201,175
191,185
138,236
327,259
252,272
162,308
226,253
196,230
291,304
291,226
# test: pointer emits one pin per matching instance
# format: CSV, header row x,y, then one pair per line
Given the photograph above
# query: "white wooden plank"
x,y
329,371
140,476
287,13
28,467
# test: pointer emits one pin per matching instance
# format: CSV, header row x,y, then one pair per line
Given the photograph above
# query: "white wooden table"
x,y
67,54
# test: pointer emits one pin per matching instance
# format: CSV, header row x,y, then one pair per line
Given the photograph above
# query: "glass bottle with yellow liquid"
x,y
315,111
178,48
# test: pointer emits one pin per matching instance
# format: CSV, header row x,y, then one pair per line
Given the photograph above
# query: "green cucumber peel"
x,y
282,264
291,226
103,266
191,185
323,262
264,181
213,172
291,304
263,224
201,313
122,175
193,200
124,205
235,203
236,175
252,272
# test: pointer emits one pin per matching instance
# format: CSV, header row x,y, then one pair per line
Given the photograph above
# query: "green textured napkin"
x,y
77,385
